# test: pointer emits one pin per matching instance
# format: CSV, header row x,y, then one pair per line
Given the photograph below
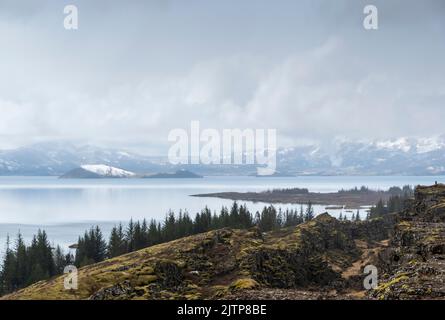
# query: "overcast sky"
x,y
136,69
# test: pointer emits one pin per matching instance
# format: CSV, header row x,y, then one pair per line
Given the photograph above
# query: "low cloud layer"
x,y
132,72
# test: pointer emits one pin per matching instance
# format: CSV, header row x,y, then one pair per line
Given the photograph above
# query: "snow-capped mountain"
x,y
58,158
107,171
97,171
401,156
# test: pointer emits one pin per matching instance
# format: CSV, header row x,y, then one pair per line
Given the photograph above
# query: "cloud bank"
x,y
132,72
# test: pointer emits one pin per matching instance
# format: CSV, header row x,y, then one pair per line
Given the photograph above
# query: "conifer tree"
x,y
301,215
130,236
309,215
8,271
22,267
117,244
59,260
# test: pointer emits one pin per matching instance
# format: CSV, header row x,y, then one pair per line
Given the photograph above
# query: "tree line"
x,y
395,203
92,247
23,265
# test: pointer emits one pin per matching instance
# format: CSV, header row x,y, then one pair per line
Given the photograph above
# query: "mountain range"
x,y
56,159
402,156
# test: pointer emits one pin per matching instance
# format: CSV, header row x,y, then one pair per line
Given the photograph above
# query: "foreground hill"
x,y
322,254
321,259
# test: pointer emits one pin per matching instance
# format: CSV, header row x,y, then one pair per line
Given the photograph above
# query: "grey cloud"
x,y
134,70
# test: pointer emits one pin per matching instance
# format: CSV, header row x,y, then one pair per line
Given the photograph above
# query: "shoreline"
x,y
331,199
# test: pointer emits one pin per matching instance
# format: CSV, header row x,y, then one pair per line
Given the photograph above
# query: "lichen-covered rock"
x,y
322,254
170,274
244,284
413,267
119,291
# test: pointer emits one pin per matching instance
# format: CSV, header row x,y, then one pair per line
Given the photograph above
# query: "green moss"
x,y
147,270
219,291
285,258
386,286
405,224
193,296
142,280
244,284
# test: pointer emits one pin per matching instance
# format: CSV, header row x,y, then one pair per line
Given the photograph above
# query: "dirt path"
x,y
369,256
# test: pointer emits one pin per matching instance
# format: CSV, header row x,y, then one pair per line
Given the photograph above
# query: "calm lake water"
x,y
65,208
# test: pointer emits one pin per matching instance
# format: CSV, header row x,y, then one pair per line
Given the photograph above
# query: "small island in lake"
x,y
184,174
349,199
101,171
97,171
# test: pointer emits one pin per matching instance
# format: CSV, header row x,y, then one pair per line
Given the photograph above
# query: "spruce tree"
x,y
301,215
309,215
8,271
22,267
59,260
117,244
129,236
100,246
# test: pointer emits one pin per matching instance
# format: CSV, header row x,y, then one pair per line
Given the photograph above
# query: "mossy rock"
x,y
244,284
219,291
143,280
170,273
147,270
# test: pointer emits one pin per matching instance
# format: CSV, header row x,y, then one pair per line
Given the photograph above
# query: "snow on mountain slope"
x,y
107,171
401,156
430,144
402,144
56,159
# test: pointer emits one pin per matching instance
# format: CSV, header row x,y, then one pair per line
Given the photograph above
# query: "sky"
x,y
134,70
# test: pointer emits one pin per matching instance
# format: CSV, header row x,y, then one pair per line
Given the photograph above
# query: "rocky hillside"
x,y
324,255
321,259
413,267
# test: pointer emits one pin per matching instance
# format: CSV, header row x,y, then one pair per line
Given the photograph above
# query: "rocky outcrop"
x,y
413,267
310,262
322,254
320,259
122,290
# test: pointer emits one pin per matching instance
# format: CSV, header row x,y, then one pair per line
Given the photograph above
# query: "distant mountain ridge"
x,y
56,159
402,156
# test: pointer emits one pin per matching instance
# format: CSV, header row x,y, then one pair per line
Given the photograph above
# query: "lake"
x,y
65,208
